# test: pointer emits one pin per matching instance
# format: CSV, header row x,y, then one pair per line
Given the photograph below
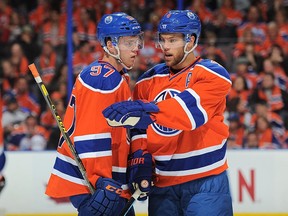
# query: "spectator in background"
x,y
18,59
281,19
239,89
54,31
251,141
241,107
246,39
274,7
9,75
39,15
86,28
27,40
261,108
242,68
236,132
14,26
214,53
274,38
48,63
256,24
5,14
82,57
24,96
28,135
279,59
225,31
12,115
204,13
277,71
276,98
233,16
266,137
254,58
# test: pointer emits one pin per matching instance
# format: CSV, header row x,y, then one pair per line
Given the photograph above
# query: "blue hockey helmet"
x,y
181,21
116,25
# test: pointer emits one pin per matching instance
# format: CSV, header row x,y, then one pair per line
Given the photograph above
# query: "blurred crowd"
x,y
248,37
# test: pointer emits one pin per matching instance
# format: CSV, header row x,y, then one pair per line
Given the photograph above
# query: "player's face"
x,y
129,48
172,46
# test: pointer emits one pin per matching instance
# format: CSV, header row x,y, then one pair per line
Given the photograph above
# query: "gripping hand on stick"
x,y
104,201
140,172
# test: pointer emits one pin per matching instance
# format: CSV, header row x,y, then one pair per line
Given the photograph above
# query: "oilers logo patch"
x,y
108,19
159,129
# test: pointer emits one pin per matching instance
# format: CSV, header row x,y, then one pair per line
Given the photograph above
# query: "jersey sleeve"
x,y
204,99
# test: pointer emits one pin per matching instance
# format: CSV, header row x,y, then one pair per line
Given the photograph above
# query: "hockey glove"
x,y
130,114
140,172
2,182
104,201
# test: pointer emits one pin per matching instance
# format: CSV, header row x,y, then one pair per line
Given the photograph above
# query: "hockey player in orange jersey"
x,y
103,150
184,125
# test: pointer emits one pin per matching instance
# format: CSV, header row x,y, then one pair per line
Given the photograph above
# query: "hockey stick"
x,y
130,203
60,124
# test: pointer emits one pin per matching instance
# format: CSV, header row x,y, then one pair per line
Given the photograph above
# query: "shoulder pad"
x,y
100,76
156,70
214,67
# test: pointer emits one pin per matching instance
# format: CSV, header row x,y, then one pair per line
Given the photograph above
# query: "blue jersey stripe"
x,y
193,105
193,162
93,145
67,168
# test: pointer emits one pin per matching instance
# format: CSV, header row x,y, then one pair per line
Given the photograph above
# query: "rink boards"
x,y
258,178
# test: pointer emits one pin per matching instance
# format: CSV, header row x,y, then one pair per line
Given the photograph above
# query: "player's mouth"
x,y
168,57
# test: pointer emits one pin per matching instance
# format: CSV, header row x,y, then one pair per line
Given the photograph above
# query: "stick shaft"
x,y
130,202
60,124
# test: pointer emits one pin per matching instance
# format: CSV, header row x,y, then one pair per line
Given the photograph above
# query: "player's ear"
x,y
191,42
110,47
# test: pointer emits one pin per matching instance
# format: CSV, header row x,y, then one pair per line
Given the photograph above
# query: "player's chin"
x,y
169,62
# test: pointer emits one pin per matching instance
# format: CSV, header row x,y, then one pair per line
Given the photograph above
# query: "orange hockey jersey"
x,y
102,149
188,138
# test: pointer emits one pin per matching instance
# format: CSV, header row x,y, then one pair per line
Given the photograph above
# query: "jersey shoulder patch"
x,y
101,76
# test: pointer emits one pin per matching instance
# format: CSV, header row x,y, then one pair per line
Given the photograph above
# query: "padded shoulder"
x,y
159,69
100,76
214,67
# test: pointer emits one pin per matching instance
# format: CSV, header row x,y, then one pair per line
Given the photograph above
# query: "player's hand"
x,y
140,172
105,199
2,182
131,114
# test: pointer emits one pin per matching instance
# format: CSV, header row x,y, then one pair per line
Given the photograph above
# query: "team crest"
x,y
165,131
108,19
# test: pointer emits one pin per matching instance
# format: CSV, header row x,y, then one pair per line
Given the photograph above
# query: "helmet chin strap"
x,y
117,57
187,52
